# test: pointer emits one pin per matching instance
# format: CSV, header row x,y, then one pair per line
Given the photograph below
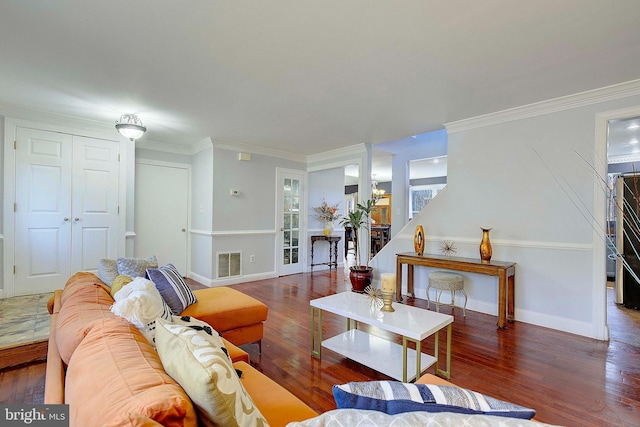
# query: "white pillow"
x,y
141,304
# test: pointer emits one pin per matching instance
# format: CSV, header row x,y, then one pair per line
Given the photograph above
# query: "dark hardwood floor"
x,y
569,380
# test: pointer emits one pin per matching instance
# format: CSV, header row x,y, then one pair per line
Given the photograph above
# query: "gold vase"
x,y
485,245
418,240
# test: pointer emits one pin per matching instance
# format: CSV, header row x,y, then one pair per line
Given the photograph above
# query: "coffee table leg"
x,y
443,373
316,343
404,359
418,359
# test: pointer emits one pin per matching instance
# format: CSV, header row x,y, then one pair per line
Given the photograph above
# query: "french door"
x,y
290,221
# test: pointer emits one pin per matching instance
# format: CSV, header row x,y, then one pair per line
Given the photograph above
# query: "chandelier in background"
x,y
130,126
376,192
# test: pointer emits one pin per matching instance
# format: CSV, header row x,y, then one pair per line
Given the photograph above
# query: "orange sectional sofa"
x,y
109,374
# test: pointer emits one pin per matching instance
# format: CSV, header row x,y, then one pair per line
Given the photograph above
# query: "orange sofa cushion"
x,y
78,281
90,303
215,304
276,403
117,367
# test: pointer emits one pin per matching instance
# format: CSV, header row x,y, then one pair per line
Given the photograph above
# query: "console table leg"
x,y
502,300
511,278
316,342
398,281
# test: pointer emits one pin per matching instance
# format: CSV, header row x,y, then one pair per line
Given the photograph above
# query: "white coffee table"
x,y
412,323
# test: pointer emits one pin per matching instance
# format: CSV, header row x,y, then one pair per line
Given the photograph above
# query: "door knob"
x,y
183,230
66,219
76,219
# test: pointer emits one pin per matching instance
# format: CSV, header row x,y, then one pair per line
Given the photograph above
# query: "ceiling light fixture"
x,y
130,126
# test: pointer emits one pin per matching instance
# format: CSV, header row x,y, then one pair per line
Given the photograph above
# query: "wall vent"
x,y
229,264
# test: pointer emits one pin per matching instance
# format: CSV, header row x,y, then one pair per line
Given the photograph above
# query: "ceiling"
x,y
302,77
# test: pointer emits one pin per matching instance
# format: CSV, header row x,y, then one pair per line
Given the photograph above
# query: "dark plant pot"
x,y
360,278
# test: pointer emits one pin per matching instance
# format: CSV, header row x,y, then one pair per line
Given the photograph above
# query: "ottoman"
x,y
237,316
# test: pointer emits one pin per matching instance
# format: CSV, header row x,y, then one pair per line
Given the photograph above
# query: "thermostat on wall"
x,y
234,192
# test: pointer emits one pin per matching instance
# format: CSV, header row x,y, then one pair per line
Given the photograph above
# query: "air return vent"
x,y
229,264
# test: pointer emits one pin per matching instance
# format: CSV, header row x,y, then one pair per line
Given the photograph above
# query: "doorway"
x,y
162,212
621,137
290,225
66,208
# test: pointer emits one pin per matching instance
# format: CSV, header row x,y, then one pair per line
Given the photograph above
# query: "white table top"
x,y
411,322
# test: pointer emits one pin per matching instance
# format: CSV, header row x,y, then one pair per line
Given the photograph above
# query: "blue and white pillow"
x,y
393,397
172,287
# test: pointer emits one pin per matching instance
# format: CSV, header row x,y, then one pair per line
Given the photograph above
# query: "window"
x,y
421,195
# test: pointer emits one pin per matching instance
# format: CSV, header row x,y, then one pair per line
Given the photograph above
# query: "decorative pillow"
x,y
361,417
136,267
172,287
206,331
118,283
197,362
107,270
394,397
141,304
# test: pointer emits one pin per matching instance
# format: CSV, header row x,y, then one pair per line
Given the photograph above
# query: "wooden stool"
x,y
445,281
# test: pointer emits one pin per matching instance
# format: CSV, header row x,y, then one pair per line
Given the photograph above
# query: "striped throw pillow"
x,y
172,287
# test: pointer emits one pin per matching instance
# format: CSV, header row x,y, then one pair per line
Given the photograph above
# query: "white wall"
x,y
201,268
328,183
528,174
243,223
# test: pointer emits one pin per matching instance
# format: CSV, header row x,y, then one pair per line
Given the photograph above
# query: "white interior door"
x,y
291,243
95,203
162,213
42,211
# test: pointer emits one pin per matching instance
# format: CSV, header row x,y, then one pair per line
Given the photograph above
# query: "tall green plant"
x,y
357,219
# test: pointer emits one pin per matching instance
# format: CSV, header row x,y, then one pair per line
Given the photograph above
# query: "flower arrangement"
x,y
326,212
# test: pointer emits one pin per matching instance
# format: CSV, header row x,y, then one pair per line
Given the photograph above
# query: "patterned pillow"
x,y
394,397
197,362
172,287
107,270
136,267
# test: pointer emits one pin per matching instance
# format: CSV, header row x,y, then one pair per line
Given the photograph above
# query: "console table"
x,y
505,271
333,254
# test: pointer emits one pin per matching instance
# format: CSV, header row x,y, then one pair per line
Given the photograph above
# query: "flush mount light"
x,y
130,126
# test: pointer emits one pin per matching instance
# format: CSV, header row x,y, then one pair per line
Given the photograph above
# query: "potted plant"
x,y
360,274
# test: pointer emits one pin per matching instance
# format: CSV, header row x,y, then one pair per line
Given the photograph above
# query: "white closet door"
x,y
162,213
95,202
42,211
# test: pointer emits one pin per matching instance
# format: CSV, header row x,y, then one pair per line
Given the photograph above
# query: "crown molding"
x,y
56,119
254,149
147,144
608,93
202,145
628,158
350,151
